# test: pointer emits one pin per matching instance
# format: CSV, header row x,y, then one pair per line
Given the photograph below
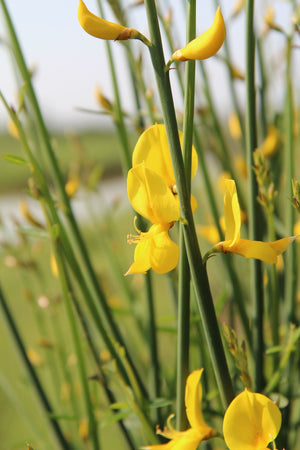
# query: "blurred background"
x,y
67,66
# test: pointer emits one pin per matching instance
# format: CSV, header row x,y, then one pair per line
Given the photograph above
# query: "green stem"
x,y
183,339
232,88
254,231
9,320
86,289
152,333
74,231
118,113
236,285
198,271
290,282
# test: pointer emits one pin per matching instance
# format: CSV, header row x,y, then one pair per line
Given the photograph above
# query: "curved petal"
x,y
282,244
193,400
185,440
255,249
155,250
141,257
205,45
150,196
251,421
232,213
152,149
164,252
96,26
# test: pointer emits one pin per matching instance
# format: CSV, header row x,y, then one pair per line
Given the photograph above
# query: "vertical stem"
x,y
290,284
198,270
183,340
254,232
152,333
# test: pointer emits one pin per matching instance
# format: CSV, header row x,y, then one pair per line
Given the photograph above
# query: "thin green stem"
x,y
152,333
42,191
73,231
183,339
198,271
118,112
55,427
290,282
67,293
254,231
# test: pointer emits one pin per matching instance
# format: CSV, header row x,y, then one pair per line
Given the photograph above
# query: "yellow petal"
x,y
271,143
150,196
282,244
207,44
251,422
154,250
185,440
152,149
193,400
96,26
164,253
232,213
141,257
264,251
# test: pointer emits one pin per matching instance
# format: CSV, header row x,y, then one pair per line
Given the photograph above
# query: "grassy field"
x,y
87,149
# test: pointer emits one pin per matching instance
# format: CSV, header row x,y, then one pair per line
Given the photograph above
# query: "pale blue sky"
x,y
71,63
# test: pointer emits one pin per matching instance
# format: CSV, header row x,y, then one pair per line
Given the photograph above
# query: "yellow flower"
x,y
265,251
103,29
152,149
270,144
251,421
151,198
199,431
234,126
205,45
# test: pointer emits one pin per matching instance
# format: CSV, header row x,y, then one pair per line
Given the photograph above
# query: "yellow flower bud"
x,y
205,45
103,29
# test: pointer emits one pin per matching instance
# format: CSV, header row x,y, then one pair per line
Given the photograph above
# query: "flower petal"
x,y
205,45
232,213
150,196
152,149
96,26
265,251
141,257
155,250
193,400
251,421
164,253
185,440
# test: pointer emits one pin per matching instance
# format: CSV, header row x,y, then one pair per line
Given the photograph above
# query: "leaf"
x,y
119,405
160,403
34,232
113,418
15,160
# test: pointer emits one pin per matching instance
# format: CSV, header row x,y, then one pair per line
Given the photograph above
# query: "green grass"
x,y
87,149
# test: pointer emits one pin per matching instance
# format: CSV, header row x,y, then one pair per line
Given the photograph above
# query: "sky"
x,y
69,63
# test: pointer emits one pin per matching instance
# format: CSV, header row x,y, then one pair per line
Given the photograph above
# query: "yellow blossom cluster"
x,y
251,421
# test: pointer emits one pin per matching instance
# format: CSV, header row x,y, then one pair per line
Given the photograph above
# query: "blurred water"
x,y
84,204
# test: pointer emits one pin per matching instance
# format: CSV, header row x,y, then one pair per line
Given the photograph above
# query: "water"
x,y
83,203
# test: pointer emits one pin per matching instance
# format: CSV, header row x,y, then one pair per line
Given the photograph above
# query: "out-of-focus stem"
x,y
254,231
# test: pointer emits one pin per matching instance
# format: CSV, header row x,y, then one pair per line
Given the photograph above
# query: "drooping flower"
x,y
199,431
265,251
205,45
152,149
103,29
251,422
151,198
